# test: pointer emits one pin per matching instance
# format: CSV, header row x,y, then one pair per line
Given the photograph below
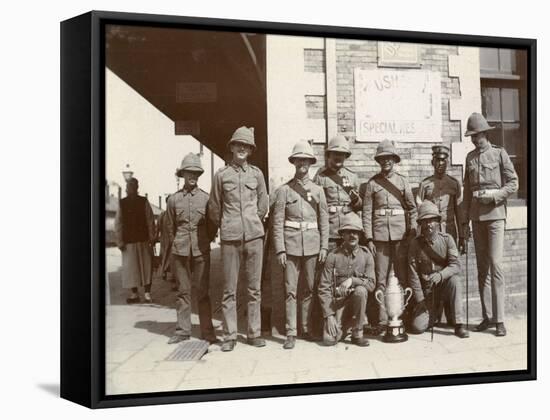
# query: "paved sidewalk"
x,y
137,335
137,346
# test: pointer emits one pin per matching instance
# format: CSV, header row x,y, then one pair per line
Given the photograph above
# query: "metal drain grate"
x,y
188,351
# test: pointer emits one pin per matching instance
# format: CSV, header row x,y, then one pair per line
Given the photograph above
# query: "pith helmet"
x,y
192,163
440,152
302,149
386,148
339,144
427,210
351,221
476,124
243,135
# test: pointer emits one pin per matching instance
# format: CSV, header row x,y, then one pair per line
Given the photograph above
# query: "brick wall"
x,y
416,157
515,269
415,164
515,272
314,60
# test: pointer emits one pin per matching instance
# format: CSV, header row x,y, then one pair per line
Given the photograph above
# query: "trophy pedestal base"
x,y
395,334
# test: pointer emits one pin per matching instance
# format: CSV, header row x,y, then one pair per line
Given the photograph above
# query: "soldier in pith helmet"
x,y
190,234
434,273
238,203
389,220
341,186
300,237
489,179
347,278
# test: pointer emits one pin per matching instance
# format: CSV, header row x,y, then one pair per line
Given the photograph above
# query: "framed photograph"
x,y
257,209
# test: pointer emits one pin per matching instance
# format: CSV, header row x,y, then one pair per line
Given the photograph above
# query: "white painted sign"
x,y
399,105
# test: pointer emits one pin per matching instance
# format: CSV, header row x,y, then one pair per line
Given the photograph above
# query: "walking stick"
x,y
467,281
432,313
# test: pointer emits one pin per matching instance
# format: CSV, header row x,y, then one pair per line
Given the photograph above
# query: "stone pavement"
x,y
137,335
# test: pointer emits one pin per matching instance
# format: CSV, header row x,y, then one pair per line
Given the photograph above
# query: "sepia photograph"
x,y
287,210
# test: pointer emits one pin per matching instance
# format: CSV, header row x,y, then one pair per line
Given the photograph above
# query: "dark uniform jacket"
x,y
446,194
337,187
300,202
238,202
426,258
488,169
391,193
340,265
187,222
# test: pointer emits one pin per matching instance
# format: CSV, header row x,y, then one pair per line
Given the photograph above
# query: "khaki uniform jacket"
x,y
446,194
388,227
338,197
490,168
300,201
238,202
187,223
421,264
340,265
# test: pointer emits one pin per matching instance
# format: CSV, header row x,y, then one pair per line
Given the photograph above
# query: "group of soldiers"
x,y
342,240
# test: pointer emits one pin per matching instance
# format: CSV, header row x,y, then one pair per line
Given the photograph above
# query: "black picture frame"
x,y
83,204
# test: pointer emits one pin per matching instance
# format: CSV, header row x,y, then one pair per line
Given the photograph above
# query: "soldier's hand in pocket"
x,y
281,258
323,256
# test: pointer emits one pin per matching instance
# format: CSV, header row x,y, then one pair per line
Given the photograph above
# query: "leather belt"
x,y
484,193
334,209
389,212
301,225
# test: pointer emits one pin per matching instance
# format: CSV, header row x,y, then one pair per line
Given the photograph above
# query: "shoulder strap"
x,y
302,192
392,189
340,181
434,256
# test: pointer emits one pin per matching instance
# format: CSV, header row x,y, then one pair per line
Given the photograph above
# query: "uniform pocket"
x,y
428,192
377,188
490,172
229,186
292,207
181,215
290,202
331,193
251,186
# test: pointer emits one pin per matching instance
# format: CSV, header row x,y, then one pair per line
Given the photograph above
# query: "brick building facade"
x,y
319,77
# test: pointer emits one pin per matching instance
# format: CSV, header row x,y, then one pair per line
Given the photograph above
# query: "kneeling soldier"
x,y
300,235
434,272
190,234
348,276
